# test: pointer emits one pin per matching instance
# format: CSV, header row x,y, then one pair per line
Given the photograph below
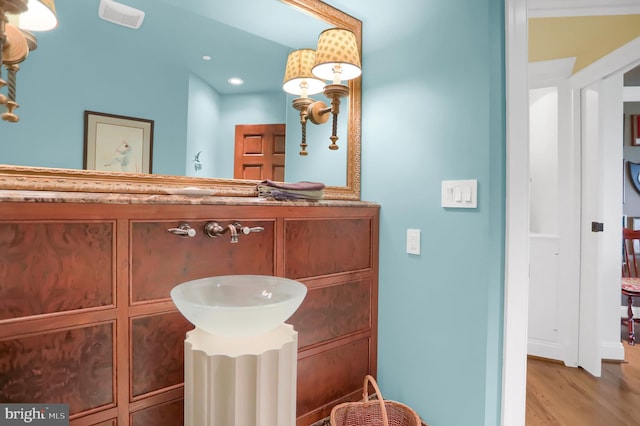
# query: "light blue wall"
x,y
55,87
189,116
433,110
203,123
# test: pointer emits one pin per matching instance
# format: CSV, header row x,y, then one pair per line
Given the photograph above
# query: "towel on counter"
x,y
291,191
302,186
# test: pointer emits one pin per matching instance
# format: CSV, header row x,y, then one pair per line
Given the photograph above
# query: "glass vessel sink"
x,y
238,305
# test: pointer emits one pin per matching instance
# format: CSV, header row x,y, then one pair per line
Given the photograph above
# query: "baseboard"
x,y
612,351
544,349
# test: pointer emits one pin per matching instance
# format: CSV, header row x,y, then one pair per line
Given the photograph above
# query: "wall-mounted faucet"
x,y
234,232
214,229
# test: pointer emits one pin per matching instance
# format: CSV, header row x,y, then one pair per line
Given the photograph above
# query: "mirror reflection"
x,y
175,71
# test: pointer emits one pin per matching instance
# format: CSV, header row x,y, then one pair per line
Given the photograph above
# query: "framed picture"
x,y
635,129
116,143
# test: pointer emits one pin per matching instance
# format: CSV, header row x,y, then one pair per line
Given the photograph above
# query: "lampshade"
x,y
298,70
337,46
41,16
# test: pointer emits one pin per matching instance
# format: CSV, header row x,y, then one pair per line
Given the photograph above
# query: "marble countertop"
x,y
114,198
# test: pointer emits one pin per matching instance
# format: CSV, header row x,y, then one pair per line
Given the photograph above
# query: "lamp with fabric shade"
x,y
298,78
337,56
337,59
40,16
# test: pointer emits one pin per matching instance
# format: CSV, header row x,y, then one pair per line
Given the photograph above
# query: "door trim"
x,y
516,292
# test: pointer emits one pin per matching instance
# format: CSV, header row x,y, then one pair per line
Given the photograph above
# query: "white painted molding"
x,y
550,73
612,351
558,8
544,349
516,293
620,59
631,94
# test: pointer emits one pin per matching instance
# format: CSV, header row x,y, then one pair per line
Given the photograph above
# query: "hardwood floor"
x,y
563,396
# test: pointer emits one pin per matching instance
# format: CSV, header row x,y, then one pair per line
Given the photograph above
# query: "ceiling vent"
x,y
120,14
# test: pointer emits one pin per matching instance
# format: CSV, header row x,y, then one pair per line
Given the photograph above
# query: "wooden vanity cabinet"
x,y
86,317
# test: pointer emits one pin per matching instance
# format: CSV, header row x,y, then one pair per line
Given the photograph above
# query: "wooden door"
x,y
259,152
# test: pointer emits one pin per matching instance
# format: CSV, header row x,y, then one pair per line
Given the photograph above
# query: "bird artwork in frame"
x,y
116,143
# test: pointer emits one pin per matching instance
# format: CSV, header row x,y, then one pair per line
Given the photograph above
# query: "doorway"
x,y
259,152
517,196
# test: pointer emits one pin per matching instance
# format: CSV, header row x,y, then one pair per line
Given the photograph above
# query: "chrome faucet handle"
x,y
213,229
183,230
247,230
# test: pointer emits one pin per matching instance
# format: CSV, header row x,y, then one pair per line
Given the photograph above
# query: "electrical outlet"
x,y
413,241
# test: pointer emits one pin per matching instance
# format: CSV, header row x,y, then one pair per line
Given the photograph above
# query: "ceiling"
x,y
249,39
556,8
586,30
587,38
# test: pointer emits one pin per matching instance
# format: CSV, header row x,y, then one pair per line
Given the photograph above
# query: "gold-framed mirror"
x,y
27,177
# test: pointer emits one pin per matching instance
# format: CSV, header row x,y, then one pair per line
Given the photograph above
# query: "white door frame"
x,y
514,373
516,297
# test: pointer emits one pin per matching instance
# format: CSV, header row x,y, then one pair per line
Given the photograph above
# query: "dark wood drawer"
x,y
161,260
315,247
53,267
72,366
332,311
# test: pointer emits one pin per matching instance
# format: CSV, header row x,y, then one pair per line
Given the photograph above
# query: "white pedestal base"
x,y
241,381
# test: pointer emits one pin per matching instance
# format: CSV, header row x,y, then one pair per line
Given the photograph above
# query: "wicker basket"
x,y
373,412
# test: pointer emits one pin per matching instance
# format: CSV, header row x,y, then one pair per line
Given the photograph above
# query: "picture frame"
x,y
635,129
117,143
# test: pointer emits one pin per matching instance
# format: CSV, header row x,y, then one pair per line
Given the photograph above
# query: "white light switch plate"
x,y
461,194
413,241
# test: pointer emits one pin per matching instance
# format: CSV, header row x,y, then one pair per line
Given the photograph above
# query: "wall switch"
x,y
413,241
462,194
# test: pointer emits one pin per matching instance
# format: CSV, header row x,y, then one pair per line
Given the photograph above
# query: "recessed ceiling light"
x,y
236,81
206,58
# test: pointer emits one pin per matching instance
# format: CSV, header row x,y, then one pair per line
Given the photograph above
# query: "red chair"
x,y
630,275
